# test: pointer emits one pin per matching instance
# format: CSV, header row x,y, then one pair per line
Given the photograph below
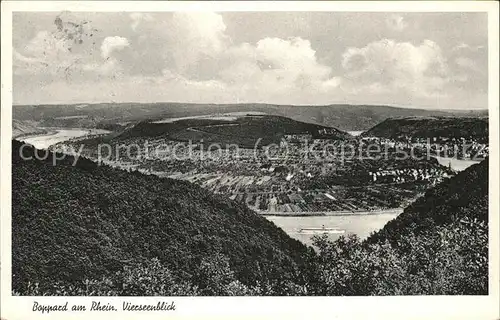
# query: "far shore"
x,y
35,134
328,213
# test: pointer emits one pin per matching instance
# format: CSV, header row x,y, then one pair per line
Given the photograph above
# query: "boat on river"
x,y
323,229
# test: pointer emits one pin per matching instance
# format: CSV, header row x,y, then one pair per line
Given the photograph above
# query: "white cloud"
x,y
388,65
334,82
189,56
45,54
50,55
46,44
110,44
465,46
138,17
194,37
276,65
110,67
294,55
396,23
467,63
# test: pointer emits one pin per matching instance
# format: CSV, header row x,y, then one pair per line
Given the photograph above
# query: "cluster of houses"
x,y
432,175
461,148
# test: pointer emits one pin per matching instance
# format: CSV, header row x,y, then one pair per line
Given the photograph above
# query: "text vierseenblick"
x,y
160,306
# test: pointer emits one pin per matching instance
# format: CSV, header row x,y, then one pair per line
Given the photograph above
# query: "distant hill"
x,y
71,224
426,127
241,130
341,116
22,128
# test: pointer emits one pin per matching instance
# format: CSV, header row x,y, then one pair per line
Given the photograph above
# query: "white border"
x,y
416,307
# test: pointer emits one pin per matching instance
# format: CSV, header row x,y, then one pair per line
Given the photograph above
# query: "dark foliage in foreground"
x,y
71,224
90,230
438,245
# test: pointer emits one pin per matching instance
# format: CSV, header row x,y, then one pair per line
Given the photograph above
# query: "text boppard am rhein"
x,y
98,306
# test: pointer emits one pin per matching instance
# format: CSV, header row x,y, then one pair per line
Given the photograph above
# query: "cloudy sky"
x,y
428,60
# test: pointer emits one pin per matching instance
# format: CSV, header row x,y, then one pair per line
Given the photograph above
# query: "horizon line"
x,y
255,103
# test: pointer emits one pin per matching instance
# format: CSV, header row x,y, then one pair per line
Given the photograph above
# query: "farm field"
x,y
266,195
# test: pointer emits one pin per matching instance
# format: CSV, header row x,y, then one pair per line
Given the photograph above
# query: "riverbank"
x,y
360,225
454,163
31,135
57,135
329,213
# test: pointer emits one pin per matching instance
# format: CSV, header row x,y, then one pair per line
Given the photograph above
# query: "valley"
x,y
309,180
282,169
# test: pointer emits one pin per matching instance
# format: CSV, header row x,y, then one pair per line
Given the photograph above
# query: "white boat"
x,y
314,230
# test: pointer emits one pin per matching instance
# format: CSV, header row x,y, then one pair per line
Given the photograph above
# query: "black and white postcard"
x,y
249,159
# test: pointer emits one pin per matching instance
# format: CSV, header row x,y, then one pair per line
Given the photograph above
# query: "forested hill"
x,y
442,238
425,127
90,223
460,200
240,130
437,246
